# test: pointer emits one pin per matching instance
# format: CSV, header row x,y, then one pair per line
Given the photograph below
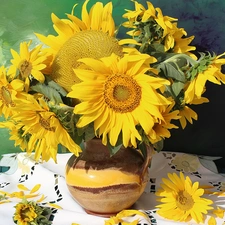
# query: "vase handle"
x,y
149,150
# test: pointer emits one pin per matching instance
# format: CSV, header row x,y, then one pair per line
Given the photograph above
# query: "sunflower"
x,y
25,213
139,13
212,73
161,130
27,63
43,129
29,212
187,114
162,29
16,133
92,36
181,200
117,95
9,91
181,43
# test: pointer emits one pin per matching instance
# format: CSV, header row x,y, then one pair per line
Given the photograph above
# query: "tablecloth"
x,y
19,169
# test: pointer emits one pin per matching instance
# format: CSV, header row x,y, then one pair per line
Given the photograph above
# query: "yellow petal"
x,y
22,187
35,188
212,221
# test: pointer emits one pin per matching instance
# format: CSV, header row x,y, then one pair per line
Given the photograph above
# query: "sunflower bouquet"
x,y
88,81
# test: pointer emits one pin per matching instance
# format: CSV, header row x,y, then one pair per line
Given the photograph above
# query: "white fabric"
x,y
24,170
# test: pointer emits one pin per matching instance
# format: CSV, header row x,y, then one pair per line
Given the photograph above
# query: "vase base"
x,y
105,215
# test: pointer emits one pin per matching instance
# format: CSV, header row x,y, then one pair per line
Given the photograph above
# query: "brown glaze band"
x,y
121,187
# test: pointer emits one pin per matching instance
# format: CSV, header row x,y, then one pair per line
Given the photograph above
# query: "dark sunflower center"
x,y
6,97
45,124
24,213
84,44
122,93
184,201
25,69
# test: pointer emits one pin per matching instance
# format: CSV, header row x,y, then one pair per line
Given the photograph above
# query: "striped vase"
x,y
104,185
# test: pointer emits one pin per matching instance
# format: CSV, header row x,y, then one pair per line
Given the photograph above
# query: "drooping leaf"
x,y
114,149
171,72
177,87
49,92
158,146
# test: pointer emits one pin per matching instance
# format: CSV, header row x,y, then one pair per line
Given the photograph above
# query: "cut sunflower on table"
x,y
181,200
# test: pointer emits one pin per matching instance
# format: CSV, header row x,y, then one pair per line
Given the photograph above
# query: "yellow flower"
x,y
117,95
9,91
165,22
182,43
139,13
27,63
44,129
185,114
16,133
25,213
30,213
212,73
181,200
91,36
163,28
161,130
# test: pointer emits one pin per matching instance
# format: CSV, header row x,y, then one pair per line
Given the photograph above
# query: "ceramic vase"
x,y
104,184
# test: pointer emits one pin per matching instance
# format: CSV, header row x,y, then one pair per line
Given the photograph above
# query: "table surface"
x,y
24,171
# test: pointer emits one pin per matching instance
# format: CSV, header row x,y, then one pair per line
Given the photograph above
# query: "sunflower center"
x,y
25,214
84,44
45,124
25,68
6,97
122,93
185,163
184,201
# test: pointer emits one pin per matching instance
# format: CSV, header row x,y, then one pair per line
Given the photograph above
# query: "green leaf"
x,y
158,146
142,147
55,86
49,92
177,87
89,132
114,149
171,72
158,47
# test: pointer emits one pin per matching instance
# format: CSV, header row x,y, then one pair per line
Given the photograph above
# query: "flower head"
x,y
25,213
181,200
161,128
152,29
28,63
43,128
116,95
209,69
9,91
30,213
91,36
